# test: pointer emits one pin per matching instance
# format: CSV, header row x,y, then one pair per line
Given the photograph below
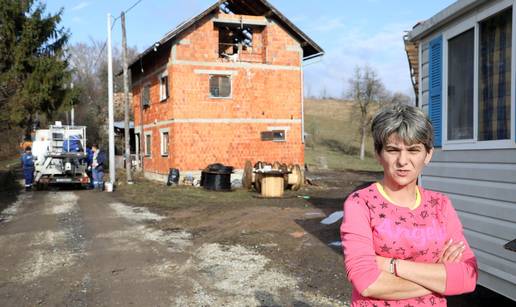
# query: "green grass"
x,y
320,157
158,194
147,192
334,136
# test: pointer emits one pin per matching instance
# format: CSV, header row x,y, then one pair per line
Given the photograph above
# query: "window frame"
x,y
164,88
148,147
475,86
163,148
142,95
268,135
230,86
473,22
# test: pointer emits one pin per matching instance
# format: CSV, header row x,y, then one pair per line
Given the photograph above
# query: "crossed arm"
x,y
455,271
414,278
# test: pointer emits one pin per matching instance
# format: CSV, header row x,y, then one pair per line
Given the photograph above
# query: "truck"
x,y
60,156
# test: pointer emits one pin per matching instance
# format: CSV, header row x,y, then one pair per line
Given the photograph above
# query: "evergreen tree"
x,y
34,70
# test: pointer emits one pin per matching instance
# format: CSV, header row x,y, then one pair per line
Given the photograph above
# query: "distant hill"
x,y
332,139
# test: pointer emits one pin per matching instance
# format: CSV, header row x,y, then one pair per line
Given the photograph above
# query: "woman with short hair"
x,y
404,245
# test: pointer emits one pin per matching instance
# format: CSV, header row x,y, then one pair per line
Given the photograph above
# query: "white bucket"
x,y
108,186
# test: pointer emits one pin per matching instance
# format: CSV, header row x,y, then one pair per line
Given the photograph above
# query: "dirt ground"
x,y
152,245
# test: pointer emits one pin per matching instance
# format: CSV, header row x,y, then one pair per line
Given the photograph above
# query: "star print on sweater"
x,y
372,225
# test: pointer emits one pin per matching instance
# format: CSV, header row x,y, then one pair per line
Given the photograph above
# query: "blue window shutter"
x,y
436,88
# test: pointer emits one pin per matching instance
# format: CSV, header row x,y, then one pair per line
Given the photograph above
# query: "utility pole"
x,y
72,111
110,106
128,162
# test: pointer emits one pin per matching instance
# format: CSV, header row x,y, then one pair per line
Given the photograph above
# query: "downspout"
x,y
302,98
303,90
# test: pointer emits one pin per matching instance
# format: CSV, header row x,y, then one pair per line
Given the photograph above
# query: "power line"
x,y
112,26
100,53
135,4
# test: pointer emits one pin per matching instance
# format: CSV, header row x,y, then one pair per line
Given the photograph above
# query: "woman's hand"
x,y
383,263
452,252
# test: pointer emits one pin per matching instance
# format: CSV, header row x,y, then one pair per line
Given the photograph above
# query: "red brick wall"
x,y
195,145
269,91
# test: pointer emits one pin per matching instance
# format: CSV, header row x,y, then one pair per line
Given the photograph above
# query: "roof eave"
x,y
451,12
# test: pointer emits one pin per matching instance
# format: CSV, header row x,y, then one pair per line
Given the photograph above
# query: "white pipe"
x,y
302,103
110,106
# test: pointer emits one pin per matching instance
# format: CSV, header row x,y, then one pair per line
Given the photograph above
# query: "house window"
x,y
220,86
461,50
164,143
163,87
146,96
137,143
274,135
494,97
478,106
233,41
148,144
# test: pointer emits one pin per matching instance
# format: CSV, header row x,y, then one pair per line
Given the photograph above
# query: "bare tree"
x,y
90,76
366,90
324,93
398,98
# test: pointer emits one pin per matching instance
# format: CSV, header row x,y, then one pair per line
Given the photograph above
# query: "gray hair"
x,y
408,122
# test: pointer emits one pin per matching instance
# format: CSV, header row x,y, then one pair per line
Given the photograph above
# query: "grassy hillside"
x,y
334,139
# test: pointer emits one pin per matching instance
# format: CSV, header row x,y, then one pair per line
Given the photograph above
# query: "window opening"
x,y
163,88
220,86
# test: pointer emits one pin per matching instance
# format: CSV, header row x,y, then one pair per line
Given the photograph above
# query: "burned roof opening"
x,y
245,7
243,43
239,7
224,8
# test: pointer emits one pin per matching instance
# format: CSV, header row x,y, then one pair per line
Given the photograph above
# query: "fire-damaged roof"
x,y
241,7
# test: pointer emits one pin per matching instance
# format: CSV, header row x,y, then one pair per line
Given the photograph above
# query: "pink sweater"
x,y
374,226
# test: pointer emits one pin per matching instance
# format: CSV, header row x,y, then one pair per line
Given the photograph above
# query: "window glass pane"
x,y
225,86
279,135
146,96
148,144
220,86
164,143
164,88
460,85
494,101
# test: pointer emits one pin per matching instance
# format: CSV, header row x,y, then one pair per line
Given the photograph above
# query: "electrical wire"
x,y
112,26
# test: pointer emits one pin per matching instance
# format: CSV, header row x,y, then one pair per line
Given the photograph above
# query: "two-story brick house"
x,y
225,86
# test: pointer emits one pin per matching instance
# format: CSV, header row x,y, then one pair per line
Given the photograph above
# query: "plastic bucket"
x,y
108,186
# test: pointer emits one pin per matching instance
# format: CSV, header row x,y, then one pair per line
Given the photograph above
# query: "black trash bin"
x,y
173,177
217,177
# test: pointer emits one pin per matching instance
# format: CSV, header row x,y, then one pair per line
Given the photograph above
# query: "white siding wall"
x,y
482,186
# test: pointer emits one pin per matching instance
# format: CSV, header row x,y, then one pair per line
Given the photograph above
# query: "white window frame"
x,y
279,129
164,88
148,147
230,76
165,151
137,142
459,28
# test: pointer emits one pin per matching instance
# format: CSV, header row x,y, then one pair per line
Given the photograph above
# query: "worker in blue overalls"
x,y
97,167
28,168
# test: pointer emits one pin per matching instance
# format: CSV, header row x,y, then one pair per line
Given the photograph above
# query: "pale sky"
x,y
351,32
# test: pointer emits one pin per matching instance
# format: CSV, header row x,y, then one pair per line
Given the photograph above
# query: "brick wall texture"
x,y
265,95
